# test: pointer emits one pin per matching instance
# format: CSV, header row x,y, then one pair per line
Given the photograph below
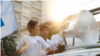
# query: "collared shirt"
x,y
36,43
56,39
51,44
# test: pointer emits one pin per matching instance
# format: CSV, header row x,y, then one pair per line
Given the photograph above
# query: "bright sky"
x,y
69,7
97,17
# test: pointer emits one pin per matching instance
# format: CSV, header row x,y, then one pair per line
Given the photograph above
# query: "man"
x,y
31,45
44,30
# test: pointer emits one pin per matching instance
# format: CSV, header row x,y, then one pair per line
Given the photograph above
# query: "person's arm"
x,y
49,49
45,45
21,46
19,51
59,49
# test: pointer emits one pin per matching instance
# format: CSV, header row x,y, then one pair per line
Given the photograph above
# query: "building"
x,y
27,10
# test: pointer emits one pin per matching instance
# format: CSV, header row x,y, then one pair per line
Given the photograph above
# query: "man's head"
x,y
32,26
44,30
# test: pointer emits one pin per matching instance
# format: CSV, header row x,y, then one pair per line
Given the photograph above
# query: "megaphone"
x,y
85,28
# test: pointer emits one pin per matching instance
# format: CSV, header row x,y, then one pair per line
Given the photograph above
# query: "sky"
x,y
65,8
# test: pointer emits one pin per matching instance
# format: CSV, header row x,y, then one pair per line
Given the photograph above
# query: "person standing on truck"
x,y
31,45
44,30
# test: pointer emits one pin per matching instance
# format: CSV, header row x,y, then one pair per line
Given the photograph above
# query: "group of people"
x,y
32,45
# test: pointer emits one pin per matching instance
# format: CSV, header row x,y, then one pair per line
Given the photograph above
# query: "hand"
x,y
27,44
2,52
19,51
61,48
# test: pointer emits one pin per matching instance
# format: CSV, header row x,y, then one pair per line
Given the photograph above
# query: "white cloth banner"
x,y
7,17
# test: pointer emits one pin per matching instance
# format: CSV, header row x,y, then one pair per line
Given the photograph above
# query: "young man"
x,y
31,45
44,30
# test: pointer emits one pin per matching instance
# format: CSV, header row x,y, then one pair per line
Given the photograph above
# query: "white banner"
x,y
7,17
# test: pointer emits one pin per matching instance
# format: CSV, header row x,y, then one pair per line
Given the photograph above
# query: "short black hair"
x,y
31,24
43,26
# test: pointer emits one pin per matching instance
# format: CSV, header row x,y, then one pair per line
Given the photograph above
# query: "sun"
x,y
59,13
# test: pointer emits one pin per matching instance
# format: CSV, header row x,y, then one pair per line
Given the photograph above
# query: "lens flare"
x,y
42,51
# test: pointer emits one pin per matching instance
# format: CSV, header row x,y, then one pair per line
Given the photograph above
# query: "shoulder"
x,y
49,41
55,36
39,37
26,36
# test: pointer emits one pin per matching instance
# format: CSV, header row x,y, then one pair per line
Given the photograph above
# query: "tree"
x,y
9,45
52,31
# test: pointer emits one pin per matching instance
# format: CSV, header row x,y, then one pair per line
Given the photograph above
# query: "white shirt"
x,y
51,44
57,40
36,43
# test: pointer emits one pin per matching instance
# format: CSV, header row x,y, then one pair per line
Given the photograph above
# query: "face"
x,y
45,32
36,28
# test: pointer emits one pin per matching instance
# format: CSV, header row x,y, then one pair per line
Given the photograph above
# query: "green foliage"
x,y
52,31
9,45
38,34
